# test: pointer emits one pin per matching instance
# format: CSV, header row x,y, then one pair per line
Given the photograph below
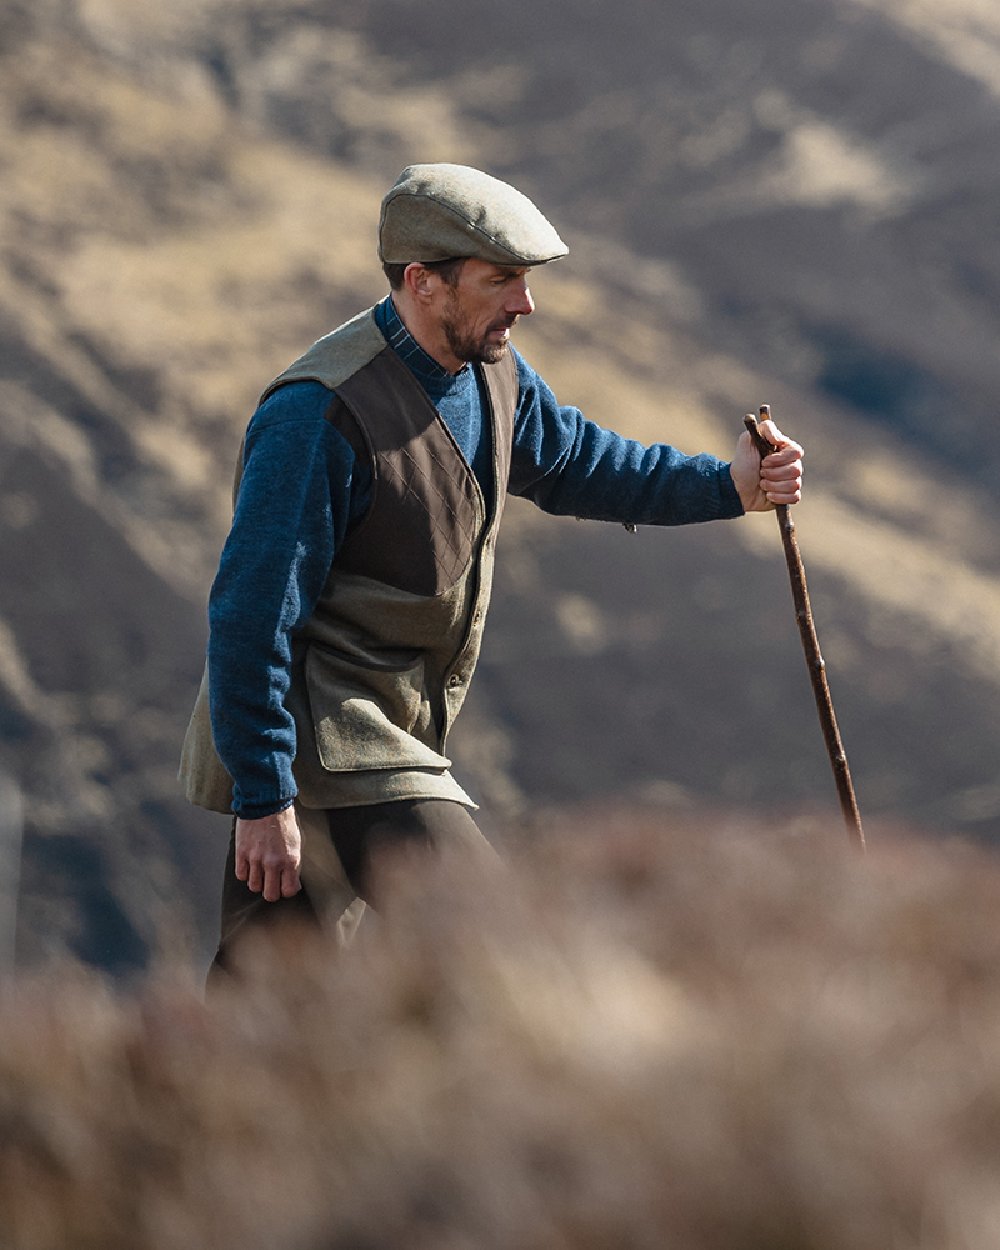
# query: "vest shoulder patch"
x,y
426,515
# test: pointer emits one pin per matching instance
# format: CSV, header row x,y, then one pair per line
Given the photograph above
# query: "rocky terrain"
x,y
781,202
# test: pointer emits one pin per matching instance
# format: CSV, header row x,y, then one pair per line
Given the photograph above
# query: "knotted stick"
x,y
810,644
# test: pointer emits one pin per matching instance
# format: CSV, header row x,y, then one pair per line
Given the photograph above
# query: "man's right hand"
x,y
268,854
777,479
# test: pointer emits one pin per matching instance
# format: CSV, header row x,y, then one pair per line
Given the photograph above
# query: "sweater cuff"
x,y
256,811
731,504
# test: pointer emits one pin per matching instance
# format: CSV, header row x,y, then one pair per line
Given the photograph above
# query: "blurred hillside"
x,y
644,1039
780,202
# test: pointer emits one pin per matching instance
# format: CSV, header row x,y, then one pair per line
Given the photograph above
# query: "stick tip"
x,y
765,411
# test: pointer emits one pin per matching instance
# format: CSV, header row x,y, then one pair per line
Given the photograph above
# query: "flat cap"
x,y
438,212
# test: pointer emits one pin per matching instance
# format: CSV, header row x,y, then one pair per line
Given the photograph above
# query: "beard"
x,y
466,345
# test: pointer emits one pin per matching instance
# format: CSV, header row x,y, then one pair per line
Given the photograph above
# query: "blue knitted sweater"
x,y
302,490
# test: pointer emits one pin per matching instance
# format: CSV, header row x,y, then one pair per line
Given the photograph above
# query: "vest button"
x,y
455,679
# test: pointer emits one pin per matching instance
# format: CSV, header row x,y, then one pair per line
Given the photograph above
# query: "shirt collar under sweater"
x,y
434,378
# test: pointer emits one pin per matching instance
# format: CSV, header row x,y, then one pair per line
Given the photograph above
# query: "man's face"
x,y
478,312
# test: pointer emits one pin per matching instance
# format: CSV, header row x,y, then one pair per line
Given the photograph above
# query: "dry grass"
x,y
632,1037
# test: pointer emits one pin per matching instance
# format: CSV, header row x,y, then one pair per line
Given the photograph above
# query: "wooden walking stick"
x,y
810,644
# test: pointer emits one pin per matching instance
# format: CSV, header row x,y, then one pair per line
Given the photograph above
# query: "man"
x,y
347,613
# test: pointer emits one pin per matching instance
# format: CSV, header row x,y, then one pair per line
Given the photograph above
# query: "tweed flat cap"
x,y
437,212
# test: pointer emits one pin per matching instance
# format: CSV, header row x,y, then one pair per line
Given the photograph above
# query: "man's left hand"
x,y
762,484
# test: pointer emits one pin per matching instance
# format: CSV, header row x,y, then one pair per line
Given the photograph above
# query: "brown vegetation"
x,y
634,1037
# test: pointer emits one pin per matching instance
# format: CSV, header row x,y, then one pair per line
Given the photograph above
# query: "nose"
x,y
522,303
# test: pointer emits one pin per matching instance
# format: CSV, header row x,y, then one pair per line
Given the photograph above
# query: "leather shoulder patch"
x,y
426,515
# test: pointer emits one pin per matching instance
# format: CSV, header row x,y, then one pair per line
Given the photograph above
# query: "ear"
x,y
419,280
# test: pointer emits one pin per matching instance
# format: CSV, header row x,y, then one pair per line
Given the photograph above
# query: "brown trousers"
x,y
339,848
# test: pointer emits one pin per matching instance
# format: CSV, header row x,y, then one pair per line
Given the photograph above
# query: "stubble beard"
x,y
465,347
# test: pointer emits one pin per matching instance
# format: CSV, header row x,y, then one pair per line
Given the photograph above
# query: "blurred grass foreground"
x,y
626,1036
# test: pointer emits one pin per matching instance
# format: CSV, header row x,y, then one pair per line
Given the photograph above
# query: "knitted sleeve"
x,y
570,466
300,491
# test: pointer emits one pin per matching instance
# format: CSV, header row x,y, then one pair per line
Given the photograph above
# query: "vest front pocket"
x,y
368,715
